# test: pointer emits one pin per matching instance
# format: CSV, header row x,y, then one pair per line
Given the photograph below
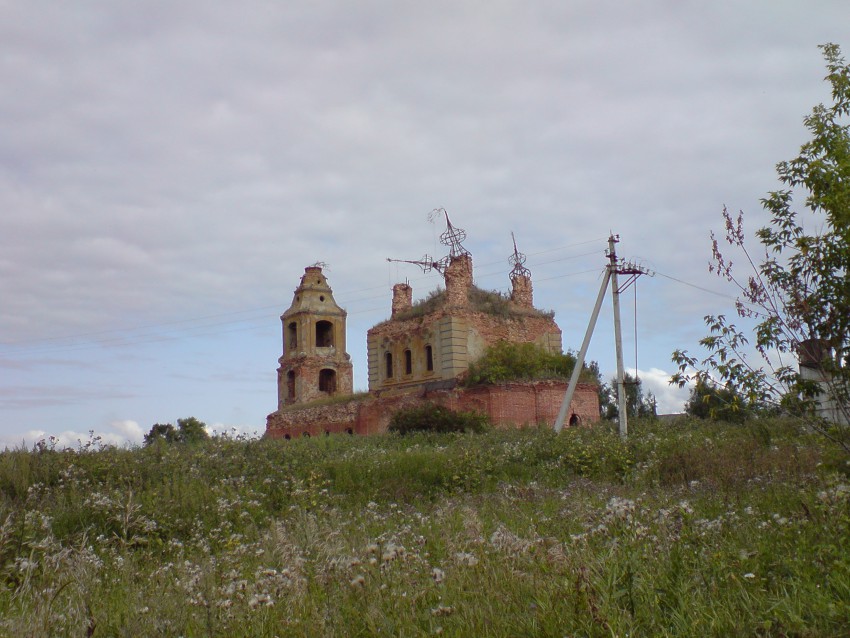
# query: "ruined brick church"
x,y
420,354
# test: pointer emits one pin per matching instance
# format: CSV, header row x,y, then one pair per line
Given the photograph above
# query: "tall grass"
x,y
687,529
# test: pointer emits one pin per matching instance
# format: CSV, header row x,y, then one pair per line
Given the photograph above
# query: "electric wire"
x,y
686,283
255,318
263,310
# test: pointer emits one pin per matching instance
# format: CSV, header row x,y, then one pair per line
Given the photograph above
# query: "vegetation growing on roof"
x,y
491,302
329,400
506,361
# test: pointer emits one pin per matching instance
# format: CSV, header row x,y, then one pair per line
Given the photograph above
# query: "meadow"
x,y
686,529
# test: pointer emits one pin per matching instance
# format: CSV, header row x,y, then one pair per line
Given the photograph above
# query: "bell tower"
x,y
314,364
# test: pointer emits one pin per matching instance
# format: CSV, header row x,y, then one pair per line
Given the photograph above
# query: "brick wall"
x,y
508,405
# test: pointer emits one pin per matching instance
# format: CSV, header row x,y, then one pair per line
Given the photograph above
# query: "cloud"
x,y
131,431
167,163
670,398
38,396
63,439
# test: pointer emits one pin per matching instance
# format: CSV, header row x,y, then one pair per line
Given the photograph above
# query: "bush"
x,y
506,361
436,418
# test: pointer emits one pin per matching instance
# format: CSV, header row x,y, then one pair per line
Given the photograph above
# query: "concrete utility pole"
x,y
618,338
571,388
612,269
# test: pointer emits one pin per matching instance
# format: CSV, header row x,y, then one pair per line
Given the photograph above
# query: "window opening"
x,y
408,362
429,359
290,384
292,336
324,334
327,381
388,364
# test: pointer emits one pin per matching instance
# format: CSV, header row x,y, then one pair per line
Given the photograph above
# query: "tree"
x,y
188,430
192,430
708,401
161,432
637,405
797,295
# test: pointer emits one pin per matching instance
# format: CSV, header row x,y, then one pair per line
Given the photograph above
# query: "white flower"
x,y
438,575
258,600
464,558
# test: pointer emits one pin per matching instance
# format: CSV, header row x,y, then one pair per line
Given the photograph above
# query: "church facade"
x,y
420,354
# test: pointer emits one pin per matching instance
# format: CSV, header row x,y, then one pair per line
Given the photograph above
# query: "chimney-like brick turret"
x,y
402,298
458,281
522,292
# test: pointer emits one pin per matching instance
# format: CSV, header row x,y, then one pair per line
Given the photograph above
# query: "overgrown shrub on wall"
x,y
436,418
506,361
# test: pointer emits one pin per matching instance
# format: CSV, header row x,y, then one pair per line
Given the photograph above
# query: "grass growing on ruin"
x,y
687,529
491,302
336,399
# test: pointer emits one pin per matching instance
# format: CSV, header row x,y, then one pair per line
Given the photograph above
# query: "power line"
x,y
171,330
686,283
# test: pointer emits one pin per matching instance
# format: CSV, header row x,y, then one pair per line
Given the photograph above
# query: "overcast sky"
x,y
168,169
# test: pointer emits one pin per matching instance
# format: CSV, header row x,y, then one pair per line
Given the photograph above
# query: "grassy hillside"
x,y
686,530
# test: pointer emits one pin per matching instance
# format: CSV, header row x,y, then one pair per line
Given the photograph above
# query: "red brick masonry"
x,y
507,405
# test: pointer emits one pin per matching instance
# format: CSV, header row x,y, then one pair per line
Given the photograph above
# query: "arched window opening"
x,y
388,364
306,435
349,431
287,437
324,334
408,362
327,381
429,359
292,336
290,384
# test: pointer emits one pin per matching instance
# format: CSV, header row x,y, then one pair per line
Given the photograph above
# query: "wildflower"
x,y
505,540
442,610
438,575
685,507
260,600
358,581
391,552
749,575
464,558
618,509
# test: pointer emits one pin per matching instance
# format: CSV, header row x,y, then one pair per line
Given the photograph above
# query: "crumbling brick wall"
x,y
508,405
